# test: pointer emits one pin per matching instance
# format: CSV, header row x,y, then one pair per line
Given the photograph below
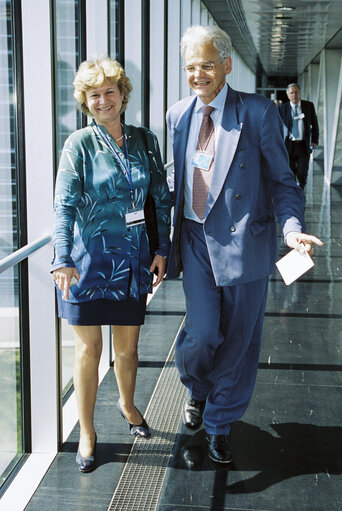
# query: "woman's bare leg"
x,y
125,341
88,348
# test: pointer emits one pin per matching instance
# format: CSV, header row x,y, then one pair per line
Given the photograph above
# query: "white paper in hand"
x,y
293,265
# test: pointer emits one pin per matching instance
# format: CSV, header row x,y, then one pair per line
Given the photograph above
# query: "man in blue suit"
x,y
228,250
300,119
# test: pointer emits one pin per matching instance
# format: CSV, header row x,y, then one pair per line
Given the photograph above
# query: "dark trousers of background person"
x,y
299,161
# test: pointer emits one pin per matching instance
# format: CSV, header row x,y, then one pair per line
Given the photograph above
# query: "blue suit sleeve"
x,y
288,198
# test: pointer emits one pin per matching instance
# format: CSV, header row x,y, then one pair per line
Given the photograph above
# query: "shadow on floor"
x,y
293,449
105,452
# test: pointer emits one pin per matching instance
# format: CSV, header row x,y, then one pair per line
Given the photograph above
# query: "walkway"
x,y
287,447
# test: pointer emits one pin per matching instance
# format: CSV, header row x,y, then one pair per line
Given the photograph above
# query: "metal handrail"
x,y
30,248
22,253
168,165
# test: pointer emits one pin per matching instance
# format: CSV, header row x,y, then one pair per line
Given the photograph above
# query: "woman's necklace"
x,y
123,134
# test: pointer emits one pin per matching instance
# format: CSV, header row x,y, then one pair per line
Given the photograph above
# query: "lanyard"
x,y
125,169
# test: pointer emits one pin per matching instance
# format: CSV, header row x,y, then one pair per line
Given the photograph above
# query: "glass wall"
x,y
10,379
68,118
158,80
8,213
114,33
133,59
10,395
67,58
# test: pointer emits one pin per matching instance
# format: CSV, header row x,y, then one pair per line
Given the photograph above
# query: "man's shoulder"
x,y
253,103
180,107
284,106
305,103
250,97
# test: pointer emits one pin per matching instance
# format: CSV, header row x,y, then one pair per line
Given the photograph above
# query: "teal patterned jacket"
x,y
91,200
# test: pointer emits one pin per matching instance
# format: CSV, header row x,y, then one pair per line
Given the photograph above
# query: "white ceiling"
x,y
280,38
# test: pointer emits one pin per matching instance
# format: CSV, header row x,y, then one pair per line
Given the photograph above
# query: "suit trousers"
x,y
299,161
217,351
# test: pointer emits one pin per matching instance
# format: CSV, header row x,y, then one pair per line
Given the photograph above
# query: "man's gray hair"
x,y
200,34
292,85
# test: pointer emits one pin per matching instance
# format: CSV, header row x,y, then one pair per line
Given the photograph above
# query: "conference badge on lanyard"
x,y
134,217
202,160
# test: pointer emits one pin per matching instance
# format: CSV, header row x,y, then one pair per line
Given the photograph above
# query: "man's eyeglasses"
x,y
202,66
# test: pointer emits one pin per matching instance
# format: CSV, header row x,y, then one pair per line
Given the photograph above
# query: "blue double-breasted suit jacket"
x,y
251,183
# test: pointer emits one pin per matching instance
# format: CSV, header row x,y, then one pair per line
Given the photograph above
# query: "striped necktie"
x,y
202,178
295,130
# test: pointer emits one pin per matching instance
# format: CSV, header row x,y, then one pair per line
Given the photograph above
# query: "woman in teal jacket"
x,y
103,266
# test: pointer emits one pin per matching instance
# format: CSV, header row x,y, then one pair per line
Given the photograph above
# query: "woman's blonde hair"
x,y
93,73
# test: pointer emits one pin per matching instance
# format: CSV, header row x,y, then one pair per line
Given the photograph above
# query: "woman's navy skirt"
x,y
103,312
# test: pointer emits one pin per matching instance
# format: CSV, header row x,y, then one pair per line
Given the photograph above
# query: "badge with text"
x,y
134,217
202,160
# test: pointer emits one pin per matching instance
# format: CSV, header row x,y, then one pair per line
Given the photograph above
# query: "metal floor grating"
x,y
142,478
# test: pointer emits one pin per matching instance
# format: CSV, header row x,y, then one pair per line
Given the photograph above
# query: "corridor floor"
x,y
287,447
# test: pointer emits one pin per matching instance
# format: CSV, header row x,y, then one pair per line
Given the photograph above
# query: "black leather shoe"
x,y
86,464
141,430
192,412
219,449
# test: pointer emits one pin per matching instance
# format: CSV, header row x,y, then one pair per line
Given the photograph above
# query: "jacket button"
x,y
232,228
237,196
242,165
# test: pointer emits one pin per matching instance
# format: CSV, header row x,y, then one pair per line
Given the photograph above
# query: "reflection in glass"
x,y
67,42
113,6
68,119
67,336
8,223
10,395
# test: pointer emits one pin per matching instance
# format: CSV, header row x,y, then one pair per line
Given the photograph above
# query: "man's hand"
x,y
301,242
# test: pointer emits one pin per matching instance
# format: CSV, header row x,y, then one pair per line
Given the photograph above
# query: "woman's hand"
x,y
302,242
159,263
63,276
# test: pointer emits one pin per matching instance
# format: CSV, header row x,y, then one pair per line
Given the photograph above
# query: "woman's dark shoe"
x,y
141,430
86,464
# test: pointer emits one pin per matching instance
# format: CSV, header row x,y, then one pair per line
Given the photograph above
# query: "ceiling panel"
x,y
281,37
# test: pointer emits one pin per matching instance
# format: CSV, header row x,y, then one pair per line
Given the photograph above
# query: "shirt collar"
x,y
218,102
297,105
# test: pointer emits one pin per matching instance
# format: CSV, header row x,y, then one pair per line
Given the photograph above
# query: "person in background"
x,y
302,132
231,178
102,265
